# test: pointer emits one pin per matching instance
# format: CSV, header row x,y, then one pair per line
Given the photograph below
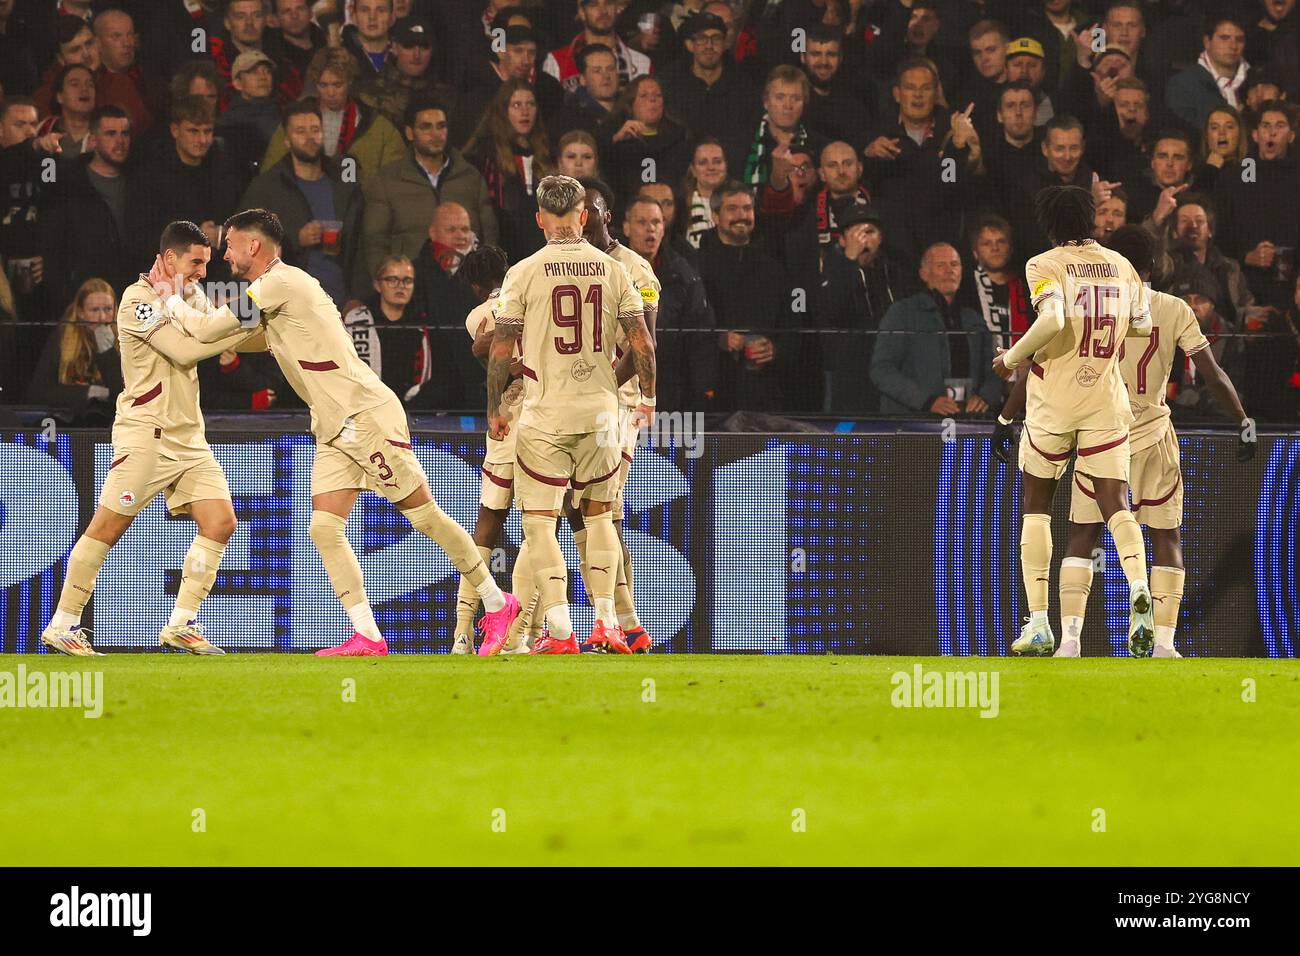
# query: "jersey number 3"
x,y
566,313
1098,304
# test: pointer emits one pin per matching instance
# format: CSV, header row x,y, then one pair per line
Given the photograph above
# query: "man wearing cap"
x,y
1026,61
597,18
861,278
516,60
708,92
408,73
367,36
244,30
1218,76
253,115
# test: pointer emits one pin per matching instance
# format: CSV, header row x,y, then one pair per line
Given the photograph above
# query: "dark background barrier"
x,y
810,543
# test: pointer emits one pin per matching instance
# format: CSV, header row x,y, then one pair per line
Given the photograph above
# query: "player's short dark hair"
x,y
590,50
602,187
108,111
485,267
420,104
1136,244
180,235
303,106
261,221
1065,213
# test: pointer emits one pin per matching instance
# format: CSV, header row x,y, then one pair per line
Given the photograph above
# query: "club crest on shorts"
x,y
1087,376
145,314
126,499
582,370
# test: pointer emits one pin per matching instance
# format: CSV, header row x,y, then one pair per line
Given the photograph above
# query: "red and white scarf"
x,y
1229,86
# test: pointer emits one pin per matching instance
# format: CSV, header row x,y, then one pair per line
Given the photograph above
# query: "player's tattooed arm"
x,y
500,353
642,349
626,366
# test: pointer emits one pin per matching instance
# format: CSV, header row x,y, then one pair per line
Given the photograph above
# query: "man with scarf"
x,y
597,18
998,293
784,97
1217,78
447,376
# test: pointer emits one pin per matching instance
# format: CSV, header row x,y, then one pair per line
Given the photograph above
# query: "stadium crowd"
x,y
836,195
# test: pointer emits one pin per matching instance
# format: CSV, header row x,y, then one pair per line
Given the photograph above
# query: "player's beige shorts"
x,y
138,473
372,452
497,488
1156,486
1102,453
547,464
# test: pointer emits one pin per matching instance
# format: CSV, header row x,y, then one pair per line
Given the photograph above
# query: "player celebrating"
x,y
484,269
362,437
600,210
568,301
1087,299
158,446
1156,477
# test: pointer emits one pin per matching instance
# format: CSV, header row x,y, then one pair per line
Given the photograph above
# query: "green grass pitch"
x,y
564,761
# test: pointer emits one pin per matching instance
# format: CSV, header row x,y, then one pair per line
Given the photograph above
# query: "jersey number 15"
x,y
1099,304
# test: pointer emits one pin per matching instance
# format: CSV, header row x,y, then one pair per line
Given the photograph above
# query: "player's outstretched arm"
x,y
626,366
498,373
210,327
185,350
642,350
1047,326
1225,393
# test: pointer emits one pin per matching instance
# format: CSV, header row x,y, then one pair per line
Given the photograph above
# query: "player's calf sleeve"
x,y
550,577
467,596
432,522
198,574
521,583
329,533
624,605
1167,594
84,562
604,560
1076,585
1129,545
584,567
1036,559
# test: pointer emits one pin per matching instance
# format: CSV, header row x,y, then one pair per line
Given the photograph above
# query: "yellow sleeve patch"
x,y
649,295
1045,287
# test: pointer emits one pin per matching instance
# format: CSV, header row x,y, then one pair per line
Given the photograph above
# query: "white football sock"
x,y
561,624
1036,617
182,615
62,619
493,599
363,621
1071,628
1165,635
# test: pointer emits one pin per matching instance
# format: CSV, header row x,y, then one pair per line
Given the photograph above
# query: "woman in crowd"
x,y
639,143
510,148
80,367
577,155
708,171
1223,143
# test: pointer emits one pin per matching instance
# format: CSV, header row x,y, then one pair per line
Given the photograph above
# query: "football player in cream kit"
x,y
363,441
158,447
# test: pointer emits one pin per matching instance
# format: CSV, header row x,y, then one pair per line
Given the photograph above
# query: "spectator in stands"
x,y
1110,214
367,36
351,128
707,172
638,143
191,178
597,19
688,360
293,44
74,101
1012,158
253,115
1155,193
1120,150
577,155
1223,146
920,363
402,196
1273,39
386,327
1193,244
664,195
86,233
1089,93
988,41
1196,286
1217,78
25,189
596,93
708,92
118,45
907,34
1062,164
244,31
905,161
18,73
1054,24
511,150
836,108
408,74
1026,62
784,98
861,278
197,78
246,382
1258,220
448,376
1272,389
80,367
77,45
517,60
307,191
1124,26
750,297
996,292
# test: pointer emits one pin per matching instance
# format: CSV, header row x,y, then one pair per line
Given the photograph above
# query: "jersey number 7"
x,y
566,313
1097,303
